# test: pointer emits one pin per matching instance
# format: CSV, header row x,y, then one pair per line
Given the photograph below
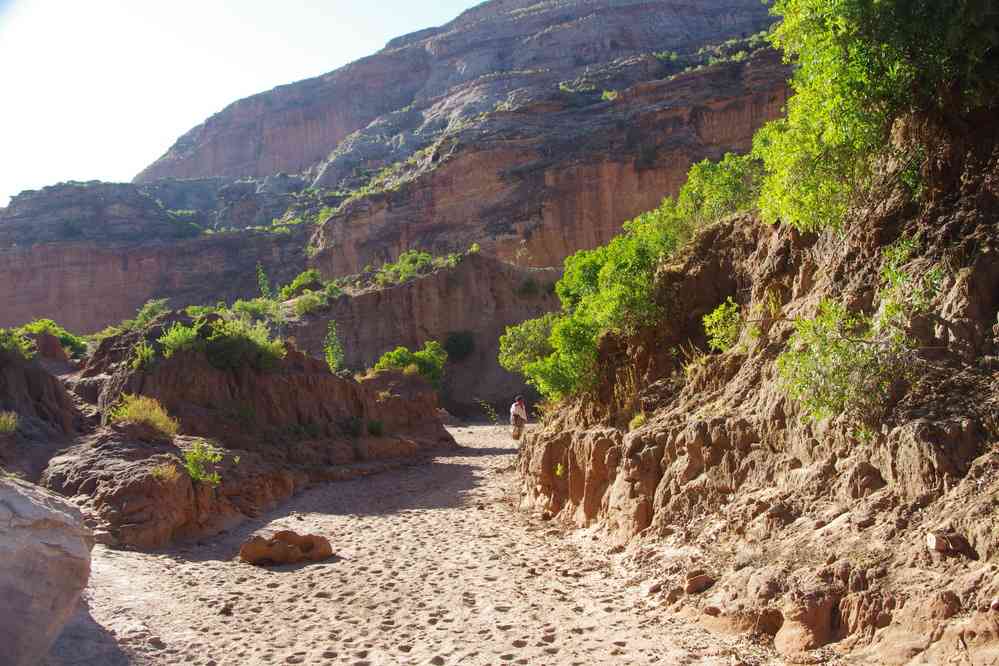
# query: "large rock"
x,y
45,550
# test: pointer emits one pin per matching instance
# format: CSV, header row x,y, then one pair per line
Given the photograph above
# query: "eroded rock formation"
x,y
276,430
421,83
45,550
480,297
884,544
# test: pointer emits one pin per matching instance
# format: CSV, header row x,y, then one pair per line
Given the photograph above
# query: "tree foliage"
x,y
429,361
610,288
861,64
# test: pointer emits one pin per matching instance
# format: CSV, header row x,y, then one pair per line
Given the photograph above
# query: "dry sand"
x,y
434,565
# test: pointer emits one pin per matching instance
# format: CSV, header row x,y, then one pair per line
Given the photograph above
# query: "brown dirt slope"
x,y
884,548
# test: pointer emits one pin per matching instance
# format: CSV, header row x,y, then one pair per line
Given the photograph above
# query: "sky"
x,y
99,89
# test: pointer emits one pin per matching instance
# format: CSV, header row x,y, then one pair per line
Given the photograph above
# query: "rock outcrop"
x,y
46,416
540,181
815,534
443,139
285,547
478,298
45,550
421,83
89,255
275,431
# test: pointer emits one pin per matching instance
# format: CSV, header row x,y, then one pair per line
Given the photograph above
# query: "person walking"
x,y
518,416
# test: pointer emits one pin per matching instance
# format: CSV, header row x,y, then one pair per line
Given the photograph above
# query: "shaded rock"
x,y
808,622
285,547
45,550
698,583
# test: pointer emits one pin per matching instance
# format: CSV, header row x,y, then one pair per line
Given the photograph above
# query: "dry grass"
x,y
141,409
167,473
8,423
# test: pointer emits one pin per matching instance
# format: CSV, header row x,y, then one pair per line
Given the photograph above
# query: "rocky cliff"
x,y
880,544
89,254
533,129
542,179
422,83
480,297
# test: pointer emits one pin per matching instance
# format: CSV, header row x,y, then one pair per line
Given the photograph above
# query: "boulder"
x,y
45,548
285,547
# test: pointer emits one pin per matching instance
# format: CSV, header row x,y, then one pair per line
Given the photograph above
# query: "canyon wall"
x,y
90,255
537,184
480,297
295,127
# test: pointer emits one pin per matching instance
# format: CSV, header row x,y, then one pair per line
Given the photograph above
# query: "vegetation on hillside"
x,y
428,362
13,341
143,409
861,67
74,345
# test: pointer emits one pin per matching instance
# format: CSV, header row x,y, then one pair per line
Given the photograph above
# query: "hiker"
x,y
518,416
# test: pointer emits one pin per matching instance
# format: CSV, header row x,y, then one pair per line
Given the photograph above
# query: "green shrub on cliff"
x,y
429,361
861,66
333,349
13,341
73,344
610,288
228,343
723,326
200,460
843,362
8,423
301,282
143,409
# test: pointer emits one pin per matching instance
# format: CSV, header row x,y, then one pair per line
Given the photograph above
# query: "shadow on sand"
x,y
84,642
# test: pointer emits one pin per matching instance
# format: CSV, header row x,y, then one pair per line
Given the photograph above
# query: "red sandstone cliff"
x,y
417,82
481,297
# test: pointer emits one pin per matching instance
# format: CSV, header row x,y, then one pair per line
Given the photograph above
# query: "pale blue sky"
x,y
98,89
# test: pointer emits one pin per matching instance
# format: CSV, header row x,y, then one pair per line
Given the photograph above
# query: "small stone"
x,y
652,588
713,611
995,604
698,584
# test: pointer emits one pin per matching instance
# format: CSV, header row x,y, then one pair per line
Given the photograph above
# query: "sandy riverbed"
x,y
434,565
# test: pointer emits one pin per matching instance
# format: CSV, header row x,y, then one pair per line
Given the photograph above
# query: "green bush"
x,y
143,356
411,264
429,361
8,423
12,341
73,344
302,281
459,345
861,66
636,422
181,337
333,348
233,343
848,363
526,343
376,428
723,326
228,343
610,288
528,288
199,461
142,409
262,309
309,302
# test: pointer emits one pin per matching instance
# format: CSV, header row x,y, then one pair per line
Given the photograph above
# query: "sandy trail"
x,y
433,566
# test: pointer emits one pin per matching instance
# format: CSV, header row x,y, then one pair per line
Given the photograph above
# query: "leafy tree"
x,y
723,326
263,283
335,357
861,65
